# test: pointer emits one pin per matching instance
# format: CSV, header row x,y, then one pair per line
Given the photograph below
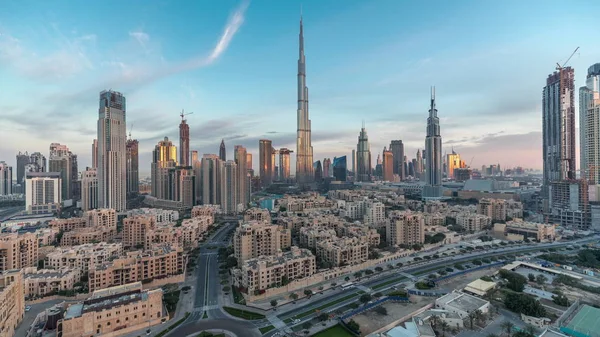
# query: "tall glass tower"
x,y
304,149
433,152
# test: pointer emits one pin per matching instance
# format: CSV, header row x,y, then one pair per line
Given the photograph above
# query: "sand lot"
x,y
371,321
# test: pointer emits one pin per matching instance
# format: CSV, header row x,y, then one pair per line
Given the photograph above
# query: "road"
x,y
207,295
32,314
7,212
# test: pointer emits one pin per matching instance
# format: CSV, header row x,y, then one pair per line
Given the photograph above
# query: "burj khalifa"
x,y
304,150
433,151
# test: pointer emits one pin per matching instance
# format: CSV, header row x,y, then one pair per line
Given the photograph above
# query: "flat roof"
x,y
479,287
517,264
462,301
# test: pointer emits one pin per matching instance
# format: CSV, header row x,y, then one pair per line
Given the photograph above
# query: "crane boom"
x,y
559,67
182,114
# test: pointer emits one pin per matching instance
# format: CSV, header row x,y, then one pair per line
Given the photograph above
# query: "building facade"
x,y
89,189
363,157
164,158
132,166
43,192
12,301
589,126
304,149
6,177
265,162
211,178
405,228
229,189
397,148
433,153
18,251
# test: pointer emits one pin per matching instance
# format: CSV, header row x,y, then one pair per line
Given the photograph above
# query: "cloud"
x,y
141,37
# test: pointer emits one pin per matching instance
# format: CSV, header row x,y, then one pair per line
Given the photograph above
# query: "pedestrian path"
x,y
409,276
363,288
277,323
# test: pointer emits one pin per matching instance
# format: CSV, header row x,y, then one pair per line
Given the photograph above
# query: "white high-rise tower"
x,y
112,136
304,150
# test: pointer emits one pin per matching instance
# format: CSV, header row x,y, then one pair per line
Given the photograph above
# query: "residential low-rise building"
x,y
309,236
276,270
405,228
135,230
160,215
18,250
65,225
208,210
45,282
520,230
253,239
342,251
160,262
12,301
462,304
112,312
257,214
500,209
82,257
473,222
87,235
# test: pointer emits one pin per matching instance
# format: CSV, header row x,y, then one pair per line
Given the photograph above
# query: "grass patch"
x,y
174,325
208,334
266,329
386,283
238,298
334,331
288,320
326,305
243,313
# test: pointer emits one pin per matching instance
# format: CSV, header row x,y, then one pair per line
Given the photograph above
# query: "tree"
x,y
516,281
381,310
273,303
368,272
308,292
561,299
390,266
377,294
333,284
294,296
364,298
508,326
525,304
541,279
399,264
358,275
378,269
347,278
531,277
323,316
444,327
354,305
352,325
472,317
306,325
226,288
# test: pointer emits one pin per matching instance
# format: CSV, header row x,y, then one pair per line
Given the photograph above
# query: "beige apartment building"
x,y
306,203
500,209
160,262
309,236
364,233
269,271
254,239
520,230
135,229
257,214
44,282
113,312
473,222
343,251
186,236
12,301
82,257
66,225
434,219
18,251
406,228
106,218
87,235
435,206
206,210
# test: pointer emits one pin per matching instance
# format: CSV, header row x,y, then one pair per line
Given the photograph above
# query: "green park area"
x,y
243,313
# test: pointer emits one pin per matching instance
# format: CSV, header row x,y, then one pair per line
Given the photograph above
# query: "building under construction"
x,y
569,204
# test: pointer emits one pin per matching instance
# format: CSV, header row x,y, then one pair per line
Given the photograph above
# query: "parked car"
x,y
27,307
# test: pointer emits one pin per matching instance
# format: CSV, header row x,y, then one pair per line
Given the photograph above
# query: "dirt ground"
x,y
460,282
371,321
575,293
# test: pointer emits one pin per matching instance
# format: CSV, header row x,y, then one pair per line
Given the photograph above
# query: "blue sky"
x,y
233,63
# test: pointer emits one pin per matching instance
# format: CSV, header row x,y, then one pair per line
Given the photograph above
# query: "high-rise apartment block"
x,y
284,164
397,149
265,162
89,189
164,158
304,149
452,162
254,239
589,126
241,160
61,161
6,175
12,301
363,157
132,166
112,155
340,168
18,251
388,165
229,188
569,204
433,153
184,142
211,177
43,192
405,228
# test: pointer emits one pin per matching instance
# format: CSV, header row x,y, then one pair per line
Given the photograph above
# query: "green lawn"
x,y
243,313
334,331
325,306
388,282
266,329
288,320
238,298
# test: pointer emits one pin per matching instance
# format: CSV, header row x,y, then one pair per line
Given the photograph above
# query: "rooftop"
x,y
462,301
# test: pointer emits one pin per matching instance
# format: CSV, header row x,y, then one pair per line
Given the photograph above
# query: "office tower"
x,y
326,167
39,161
95,153
363,157
433,152
184,142
61,161
589,126
194,156
5,179
558,128
211,177
43,192
397,148
89,189
265,157
132,166
229,188
405,163
197,167
182,185
378,168
340,168
415,162
22,160
284,163
240,156
164,157
75,182
273,166
452,162
354,161
112,136
388,165
249,164
318,170
304,149
411,168
222,151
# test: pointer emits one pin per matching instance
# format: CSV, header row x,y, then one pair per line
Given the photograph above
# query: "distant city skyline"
x,y
381,75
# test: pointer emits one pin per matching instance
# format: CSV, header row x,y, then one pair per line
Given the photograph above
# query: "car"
x,y
27,307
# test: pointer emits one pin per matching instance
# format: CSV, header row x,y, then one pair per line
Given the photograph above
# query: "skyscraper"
x,y
318,170
43,192
433,151
89,189
39,160
363,157
5,179
229,188
304,150
184,142
249,165
197,166
132,166
265,156
397,148
211,177
22,160
354,161
558,128
61,161
273,164
112,135
419,165
95,153
388,165
222,151
340,168
452,162
284,163
182,186
589,126
240,156
164,157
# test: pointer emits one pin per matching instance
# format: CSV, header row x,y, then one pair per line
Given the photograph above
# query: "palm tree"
x,y
444,326
508,326
530,329
491,335
472,317
435,320
479,316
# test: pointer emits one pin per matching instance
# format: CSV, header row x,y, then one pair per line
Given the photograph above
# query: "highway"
x,y
7,212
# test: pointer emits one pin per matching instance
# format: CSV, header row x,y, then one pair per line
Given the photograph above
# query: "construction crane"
x,y
559,67
184,114
471,162
130,128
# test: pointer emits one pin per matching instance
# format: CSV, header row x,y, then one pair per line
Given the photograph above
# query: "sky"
x,y
234,64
